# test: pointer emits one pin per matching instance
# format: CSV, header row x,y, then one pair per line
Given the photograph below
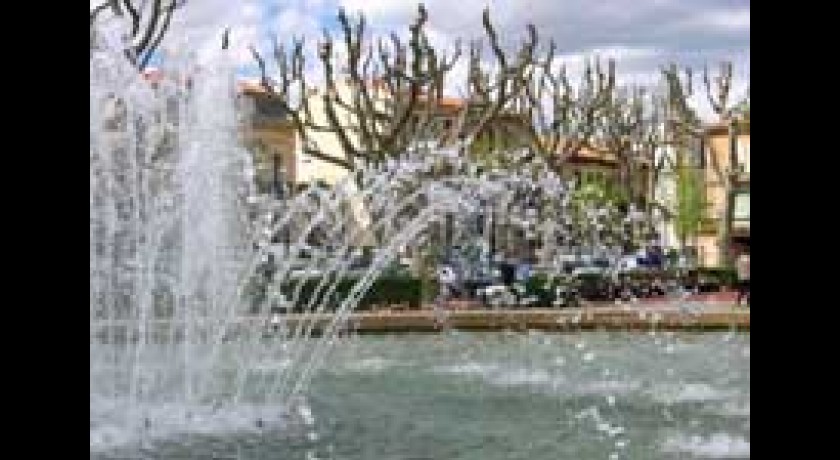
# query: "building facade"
x,y
722,164
726,172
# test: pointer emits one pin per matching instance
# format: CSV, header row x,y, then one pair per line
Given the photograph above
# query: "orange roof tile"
x,y
250,87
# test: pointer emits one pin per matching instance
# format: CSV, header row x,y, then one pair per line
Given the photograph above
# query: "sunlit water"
x,y
506,396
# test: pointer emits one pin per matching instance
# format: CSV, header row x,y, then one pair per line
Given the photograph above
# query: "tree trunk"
x,y
726,227
730,179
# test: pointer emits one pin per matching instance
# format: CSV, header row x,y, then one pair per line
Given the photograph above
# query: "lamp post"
x,y
277,175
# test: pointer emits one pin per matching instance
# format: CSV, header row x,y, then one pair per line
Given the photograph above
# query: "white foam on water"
x,y
525,377
167,421
608,388
495,374
718,445
687,393
470,368
735,408
272,365
370,364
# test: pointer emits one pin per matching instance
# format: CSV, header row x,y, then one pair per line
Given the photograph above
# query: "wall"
x,y
718,162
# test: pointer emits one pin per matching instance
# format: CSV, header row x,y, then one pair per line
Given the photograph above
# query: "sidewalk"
x,y
614,317
727,298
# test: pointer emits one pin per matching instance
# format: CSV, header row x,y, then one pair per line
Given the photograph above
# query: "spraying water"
x,y
187,328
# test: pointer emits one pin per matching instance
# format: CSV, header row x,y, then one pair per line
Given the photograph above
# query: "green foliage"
x,y
487,154
690,200
389,290
543,287
599,192
717,276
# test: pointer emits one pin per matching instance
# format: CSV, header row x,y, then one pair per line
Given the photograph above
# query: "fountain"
x,y
177,336
188,332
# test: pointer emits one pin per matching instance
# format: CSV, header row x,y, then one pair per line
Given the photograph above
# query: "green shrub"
x,y
386,291
718,276
594,286
650,275
542,287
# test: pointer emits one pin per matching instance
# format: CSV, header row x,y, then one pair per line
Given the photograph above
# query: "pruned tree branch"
x,y
143,40
377,101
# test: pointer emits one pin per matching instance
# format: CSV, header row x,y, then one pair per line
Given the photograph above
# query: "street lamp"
x,y
278,175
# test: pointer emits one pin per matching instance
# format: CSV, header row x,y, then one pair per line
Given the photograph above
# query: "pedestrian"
x,y
743,271
507,272
446,282
656,257
276,322
522,272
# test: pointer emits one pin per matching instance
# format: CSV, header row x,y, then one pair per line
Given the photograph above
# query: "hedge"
x,y
718,277
721,277
385,291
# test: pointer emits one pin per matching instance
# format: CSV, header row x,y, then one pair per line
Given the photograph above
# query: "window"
x,y
742,155
269,107
741,210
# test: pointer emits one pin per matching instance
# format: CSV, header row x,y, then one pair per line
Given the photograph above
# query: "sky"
x,y
642,35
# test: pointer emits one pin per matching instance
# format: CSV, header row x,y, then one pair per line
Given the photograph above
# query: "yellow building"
x,y
279,150
718,161
269,134
589,165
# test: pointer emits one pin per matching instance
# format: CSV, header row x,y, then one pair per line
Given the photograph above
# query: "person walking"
x,y
743,269
446,281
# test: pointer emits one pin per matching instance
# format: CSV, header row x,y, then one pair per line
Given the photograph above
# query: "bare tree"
x,y
498,88
149,22
562,119
651,141
621,125
395,90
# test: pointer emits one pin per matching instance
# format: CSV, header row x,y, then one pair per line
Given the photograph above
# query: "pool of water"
x,y
494,396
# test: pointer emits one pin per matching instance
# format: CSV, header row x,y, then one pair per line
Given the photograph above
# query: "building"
x,y
279,151
719,160
270,135
709,157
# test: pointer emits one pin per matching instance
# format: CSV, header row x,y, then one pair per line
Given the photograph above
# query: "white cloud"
x,y
378,9
725,20
198,27
642,35
295,22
